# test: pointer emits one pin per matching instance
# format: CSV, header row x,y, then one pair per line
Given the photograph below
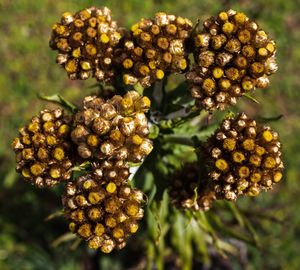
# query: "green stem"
x,y
176,139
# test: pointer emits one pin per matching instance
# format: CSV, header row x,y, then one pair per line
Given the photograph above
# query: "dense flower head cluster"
x,y
155,47
243,157
103,210
233,56
186,192
43,149
86,42
110,131
116,128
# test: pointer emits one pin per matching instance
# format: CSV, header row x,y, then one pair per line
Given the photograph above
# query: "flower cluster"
x,y
43,150
115,128
187,191
233,56
155,47
243,158
86,42
102,208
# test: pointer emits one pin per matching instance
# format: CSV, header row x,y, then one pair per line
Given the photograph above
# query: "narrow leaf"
x,y
54,215
66,237
59,100
251,98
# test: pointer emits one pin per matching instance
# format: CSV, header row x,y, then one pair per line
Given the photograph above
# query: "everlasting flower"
x,y
233,56
86,42
116,128
103,211
187,192
155,47
243,157
43,149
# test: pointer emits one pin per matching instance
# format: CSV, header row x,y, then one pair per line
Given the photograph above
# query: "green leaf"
x,y
82,167
59,100
139,88
154,132
10,178
269,119
251,98
66,237
54,215
181,238
236,213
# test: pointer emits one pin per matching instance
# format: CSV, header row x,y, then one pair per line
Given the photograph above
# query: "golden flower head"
x,y
43,150
233,56
155,47
243,158
102,211
86,42
115,128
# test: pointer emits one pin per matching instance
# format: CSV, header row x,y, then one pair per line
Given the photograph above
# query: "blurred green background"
x,y
28,68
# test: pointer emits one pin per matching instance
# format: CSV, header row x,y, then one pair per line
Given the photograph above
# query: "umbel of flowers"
x,y
232,57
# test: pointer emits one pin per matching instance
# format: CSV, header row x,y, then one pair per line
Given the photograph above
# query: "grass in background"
x,y
28,68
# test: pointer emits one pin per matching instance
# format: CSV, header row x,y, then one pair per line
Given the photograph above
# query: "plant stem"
x,y
176,139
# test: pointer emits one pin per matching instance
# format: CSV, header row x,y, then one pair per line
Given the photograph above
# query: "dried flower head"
x,y
115,128
233,56
86,42
155,47
186,192
102,211
43,149
244,158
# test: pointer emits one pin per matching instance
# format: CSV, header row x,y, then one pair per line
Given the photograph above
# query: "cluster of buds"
x,y
103,210
186,191
43,149
155,47
243,158
86,42
233,56
116,128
